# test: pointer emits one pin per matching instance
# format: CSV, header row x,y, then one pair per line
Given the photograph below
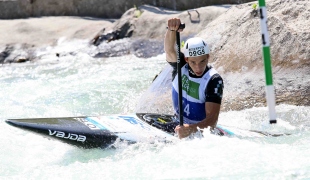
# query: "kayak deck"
x,y
103,131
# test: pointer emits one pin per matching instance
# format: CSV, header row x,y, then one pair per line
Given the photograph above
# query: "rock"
x,y
130,26
139,47
155,19
150,39
21,59
5,53
106,37
235,41
236,35
17,53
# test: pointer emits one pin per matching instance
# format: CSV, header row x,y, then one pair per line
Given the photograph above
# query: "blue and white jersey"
x,y
193,95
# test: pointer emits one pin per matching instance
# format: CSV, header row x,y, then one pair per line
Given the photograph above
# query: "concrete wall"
x,y
10,9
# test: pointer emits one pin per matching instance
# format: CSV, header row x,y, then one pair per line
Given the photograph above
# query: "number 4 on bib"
x,y
186,110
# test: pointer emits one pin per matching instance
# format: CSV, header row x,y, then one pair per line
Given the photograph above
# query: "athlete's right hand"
x,y
173,24
184,131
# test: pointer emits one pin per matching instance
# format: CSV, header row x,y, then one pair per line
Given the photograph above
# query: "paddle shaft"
x,y
179,66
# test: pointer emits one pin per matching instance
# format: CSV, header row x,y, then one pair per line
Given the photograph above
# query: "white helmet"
x,y
195,47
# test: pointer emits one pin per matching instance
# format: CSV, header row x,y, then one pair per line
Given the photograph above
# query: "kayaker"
x,y
202,85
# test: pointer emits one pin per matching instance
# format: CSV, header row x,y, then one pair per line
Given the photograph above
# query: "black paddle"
x,y
179,66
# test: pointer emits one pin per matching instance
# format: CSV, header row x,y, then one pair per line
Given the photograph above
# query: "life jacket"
x,y
193,95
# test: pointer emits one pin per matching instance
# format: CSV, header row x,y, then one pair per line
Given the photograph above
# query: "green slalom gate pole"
x,y
270,95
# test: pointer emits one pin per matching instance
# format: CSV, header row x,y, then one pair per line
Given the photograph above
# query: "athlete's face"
x,y
198,64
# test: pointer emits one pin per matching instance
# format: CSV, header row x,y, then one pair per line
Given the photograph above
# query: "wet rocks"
x,y
16,54
236,51
5,53
147,31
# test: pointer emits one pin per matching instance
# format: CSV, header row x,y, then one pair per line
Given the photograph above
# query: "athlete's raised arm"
x,y
170,39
